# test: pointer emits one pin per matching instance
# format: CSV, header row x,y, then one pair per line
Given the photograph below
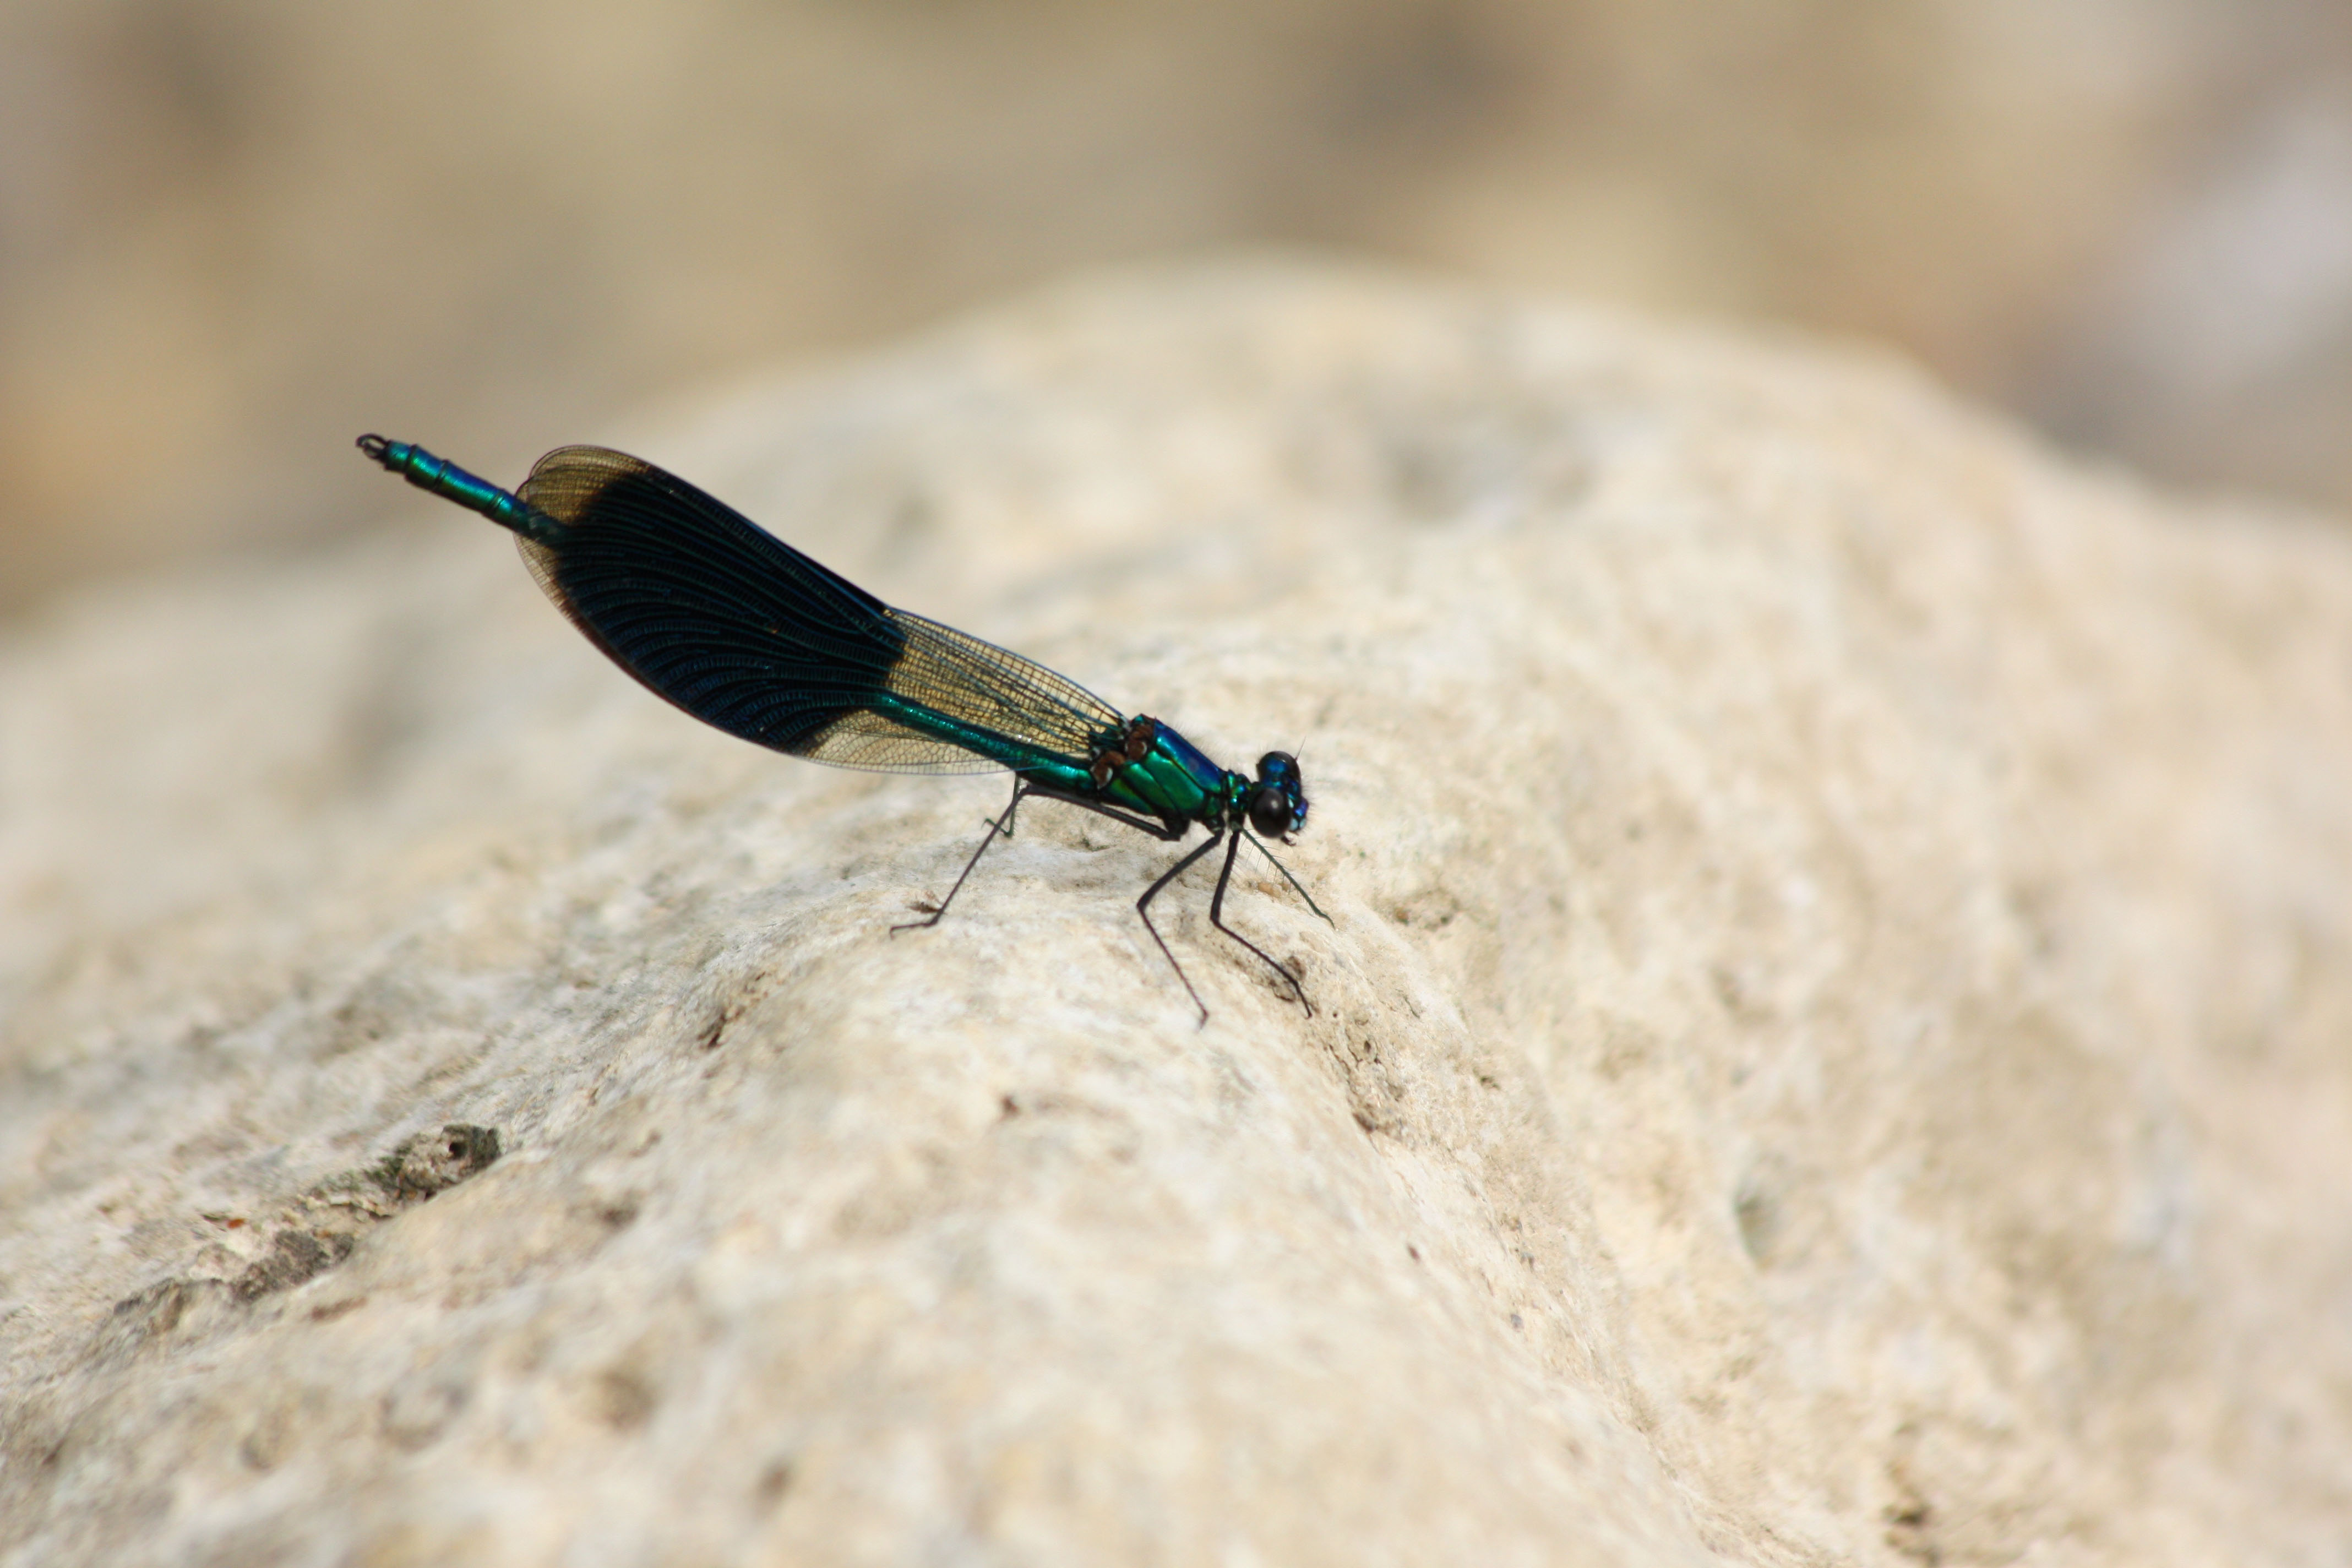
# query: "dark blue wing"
x,y
717,616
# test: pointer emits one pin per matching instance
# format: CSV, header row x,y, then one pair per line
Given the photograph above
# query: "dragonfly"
x,y
718,617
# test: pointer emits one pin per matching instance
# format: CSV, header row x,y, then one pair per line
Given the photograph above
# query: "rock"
x,y
1831,1047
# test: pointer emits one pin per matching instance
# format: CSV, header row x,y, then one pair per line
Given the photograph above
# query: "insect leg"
x,y
1217,918
1143,908
1003,824
1287,877
1141,824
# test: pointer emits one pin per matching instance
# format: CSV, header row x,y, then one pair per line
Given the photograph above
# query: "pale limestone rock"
x,y
1836,1043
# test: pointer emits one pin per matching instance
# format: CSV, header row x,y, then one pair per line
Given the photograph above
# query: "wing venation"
x,y
715,614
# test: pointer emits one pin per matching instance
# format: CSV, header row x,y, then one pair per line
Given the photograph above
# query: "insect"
x,y
713,613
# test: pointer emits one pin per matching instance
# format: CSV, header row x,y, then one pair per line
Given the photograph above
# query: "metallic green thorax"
x,y
1174,780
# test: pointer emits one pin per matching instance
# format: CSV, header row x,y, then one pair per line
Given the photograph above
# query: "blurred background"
x,y
234,233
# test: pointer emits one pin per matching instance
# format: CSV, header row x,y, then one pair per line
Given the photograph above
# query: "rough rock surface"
x,y
1835,1043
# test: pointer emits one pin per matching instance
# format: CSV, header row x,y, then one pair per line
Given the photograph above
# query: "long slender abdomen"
x,y
444,479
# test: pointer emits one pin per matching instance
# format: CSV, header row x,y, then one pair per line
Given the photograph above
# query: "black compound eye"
x,y
1269,812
